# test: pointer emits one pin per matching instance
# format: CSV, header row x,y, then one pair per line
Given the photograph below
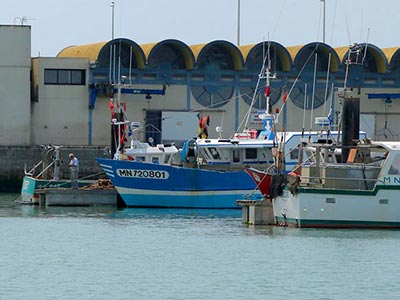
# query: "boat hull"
x,y
339,208
31,185
153,185
262,180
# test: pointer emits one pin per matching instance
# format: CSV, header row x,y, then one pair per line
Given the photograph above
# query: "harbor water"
x,y
109,253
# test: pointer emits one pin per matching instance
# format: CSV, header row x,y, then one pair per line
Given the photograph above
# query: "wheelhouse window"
x,y
251,153
214,153
166,158
64,77
395,167
294,153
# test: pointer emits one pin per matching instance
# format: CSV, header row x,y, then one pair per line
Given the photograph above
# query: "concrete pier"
x,y
77,197
257,212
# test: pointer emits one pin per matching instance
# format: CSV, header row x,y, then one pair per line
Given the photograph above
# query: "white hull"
x,y
339,208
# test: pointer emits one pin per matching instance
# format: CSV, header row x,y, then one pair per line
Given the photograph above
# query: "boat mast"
x,y
118,125
349,123
266,74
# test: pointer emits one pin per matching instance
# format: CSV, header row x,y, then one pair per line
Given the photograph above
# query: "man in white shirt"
x,y
74,168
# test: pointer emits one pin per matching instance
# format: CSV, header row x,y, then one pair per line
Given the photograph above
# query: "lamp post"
x,y
112,19
323,20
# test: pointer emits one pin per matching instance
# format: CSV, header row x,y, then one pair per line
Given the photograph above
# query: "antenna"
x,y
22,20
348,29
366,47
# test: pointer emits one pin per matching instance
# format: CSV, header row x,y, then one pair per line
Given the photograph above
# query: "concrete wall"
x,y
15,66
60,115
15,159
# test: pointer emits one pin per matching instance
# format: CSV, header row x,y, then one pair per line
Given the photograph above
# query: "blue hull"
x,y
152,185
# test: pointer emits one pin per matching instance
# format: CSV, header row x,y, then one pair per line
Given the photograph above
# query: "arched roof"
x,y
341,52
255,54
226,55
128,51
90,51
390,52
131,54
245,49
196,49
147,48
393,57
223,53
325,54
293,50
372,57
175,53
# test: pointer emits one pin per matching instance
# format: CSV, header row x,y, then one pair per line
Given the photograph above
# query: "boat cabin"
x,y
143,152
321,166
227,154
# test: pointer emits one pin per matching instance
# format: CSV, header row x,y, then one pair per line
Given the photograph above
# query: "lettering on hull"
x,y
150,174
391,180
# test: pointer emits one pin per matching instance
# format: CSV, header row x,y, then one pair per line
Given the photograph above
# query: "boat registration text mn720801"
x,y
153,174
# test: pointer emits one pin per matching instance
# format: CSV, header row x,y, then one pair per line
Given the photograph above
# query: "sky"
x,y
59,24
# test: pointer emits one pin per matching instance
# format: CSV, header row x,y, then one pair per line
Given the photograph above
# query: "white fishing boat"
x,y
362,192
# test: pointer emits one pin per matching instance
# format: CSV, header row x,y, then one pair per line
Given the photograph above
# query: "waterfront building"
x,y
168,84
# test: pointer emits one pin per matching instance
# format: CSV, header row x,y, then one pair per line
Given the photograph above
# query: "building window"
x,y
64,77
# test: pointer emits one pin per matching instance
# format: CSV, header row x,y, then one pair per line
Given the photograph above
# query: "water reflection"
x,y
181,213
9,208
227,220
322,233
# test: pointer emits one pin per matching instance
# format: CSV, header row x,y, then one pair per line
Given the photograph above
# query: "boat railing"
x,y
343,183
31,172
45,169
271,168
